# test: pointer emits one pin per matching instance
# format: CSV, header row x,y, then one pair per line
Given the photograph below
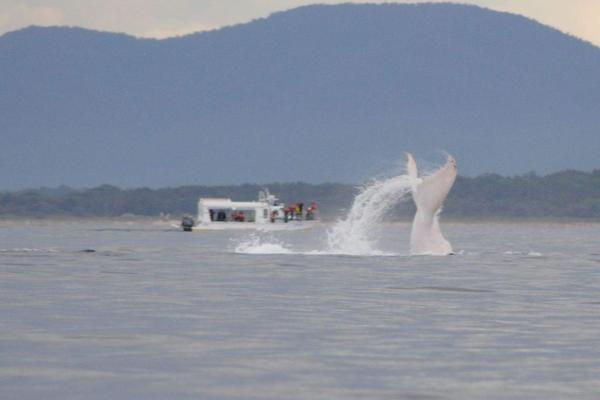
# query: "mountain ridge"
x,y
317,93
292,10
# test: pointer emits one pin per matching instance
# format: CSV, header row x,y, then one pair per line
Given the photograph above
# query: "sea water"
x,y
138,310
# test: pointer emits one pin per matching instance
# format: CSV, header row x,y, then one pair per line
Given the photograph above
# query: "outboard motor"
x,y
187,223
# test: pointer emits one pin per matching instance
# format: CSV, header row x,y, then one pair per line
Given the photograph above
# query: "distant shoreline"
x,y
156,220
562,196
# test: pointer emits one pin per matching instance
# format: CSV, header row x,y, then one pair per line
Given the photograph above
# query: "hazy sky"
x,y
162,18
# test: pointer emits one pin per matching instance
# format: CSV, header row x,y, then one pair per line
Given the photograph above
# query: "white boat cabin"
x,y
266,209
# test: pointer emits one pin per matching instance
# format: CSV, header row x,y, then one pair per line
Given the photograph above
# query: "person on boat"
x,y
292,210
286,214
310,213
274,215
239,216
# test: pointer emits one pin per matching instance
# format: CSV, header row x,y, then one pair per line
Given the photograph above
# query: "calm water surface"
x,y
154,313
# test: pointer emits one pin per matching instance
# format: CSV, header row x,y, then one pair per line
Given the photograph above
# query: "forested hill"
x,y
568,194
317,93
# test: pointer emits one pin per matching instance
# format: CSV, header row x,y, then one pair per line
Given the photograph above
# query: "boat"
x,y
266,213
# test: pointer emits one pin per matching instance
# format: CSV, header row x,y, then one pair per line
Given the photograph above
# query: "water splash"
x,y
356,235
254,244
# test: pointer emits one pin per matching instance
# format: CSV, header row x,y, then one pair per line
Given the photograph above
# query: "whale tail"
x,y
429,194
411,168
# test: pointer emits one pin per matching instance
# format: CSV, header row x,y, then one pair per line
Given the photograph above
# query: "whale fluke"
x,y
429,194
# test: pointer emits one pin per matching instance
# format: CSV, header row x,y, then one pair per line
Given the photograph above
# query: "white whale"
x,y
429,193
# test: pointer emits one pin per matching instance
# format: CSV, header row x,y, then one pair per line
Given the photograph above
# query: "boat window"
x,y
243,216
221,215
231,215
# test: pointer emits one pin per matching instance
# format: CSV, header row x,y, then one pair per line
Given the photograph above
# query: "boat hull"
x,y
289,226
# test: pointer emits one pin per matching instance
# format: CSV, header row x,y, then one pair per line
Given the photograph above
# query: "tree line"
x,y
566,194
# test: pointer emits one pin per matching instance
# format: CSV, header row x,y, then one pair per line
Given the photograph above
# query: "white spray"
x,y
356,234
255,244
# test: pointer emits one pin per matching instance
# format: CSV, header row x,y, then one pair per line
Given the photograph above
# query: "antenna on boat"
x,y
263,194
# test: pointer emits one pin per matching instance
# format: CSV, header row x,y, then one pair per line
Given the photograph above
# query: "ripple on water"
x,y
443,289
